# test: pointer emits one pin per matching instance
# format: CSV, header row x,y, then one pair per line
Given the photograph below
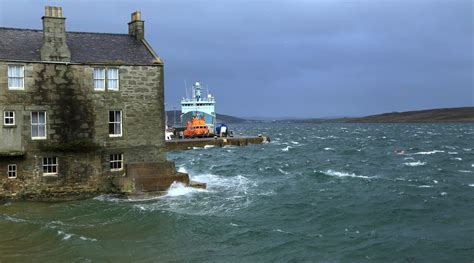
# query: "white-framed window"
x,y
99,78
113,79
106,78
115,123
16,77
38,125
11,170
8,118
116,162
50,165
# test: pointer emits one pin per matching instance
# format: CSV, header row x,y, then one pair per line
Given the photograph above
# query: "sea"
x,y
315,193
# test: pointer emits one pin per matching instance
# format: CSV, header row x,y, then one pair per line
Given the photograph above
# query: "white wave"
x,y
229,146
471,185
443,193
434,181
209,146
280,231
281,171
328,149
464,171
232,224
425,186
87,239
179,189
427,153
14,219
457,159
65,235
452,153
343,174
467,149
472,165
296,143
413,164
286,149
408,158
182,170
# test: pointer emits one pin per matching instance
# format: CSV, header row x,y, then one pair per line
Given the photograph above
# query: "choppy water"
x,y
316,193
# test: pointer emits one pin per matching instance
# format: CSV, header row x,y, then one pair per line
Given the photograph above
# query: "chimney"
x,y
54,36
136,27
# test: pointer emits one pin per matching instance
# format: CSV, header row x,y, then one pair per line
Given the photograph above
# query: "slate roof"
x,y
25,44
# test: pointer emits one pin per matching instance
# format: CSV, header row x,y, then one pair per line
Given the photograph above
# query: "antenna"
x,y
186,88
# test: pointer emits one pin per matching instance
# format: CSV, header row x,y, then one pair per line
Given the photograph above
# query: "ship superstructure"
x,y
199,106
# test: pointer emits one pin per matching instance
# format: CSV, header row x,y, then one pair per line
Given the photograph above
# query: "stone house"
x,y
81,113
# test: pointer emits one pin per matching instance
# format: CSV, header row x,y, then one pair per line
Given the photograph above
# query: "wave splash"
x,y
414,164
334,173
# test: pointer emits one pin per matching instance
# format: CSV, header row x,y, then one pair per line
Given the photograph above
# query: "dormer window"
x,y
106,78
16,77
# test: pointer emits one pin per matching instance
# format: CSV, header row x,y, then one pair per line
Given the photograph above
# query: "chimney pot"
x,y
136,16
53,11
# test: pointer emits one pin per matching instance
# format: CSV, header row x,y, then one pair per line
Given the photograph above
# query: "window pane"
x,y
111,116
34,130
99,84
41,131
99,73
111,128
42,117
113,84
112,73
117,116
34,117
117,128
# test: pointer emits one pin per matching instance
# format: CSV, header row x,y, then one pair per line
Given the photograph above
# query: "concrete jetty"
x,y
185,144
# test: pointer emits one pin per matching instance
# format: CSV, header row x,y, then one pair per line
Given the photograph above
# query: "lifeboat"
x,y
196,128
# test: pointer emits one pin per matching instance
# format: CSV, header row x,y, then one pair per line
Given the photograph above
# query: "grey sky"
x,y
295,58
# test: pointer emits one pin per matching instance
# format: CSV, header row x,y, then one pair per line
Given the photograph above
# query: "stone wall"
x,y
77,128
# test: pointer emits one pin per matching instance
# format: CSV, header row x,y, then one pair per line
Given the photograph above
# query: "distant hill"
x,y
220,118
465,114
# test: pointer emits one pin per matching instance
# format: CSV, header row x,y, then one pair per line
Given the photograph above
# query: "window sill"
x,y
50,174
16,89
12,177
115,135
116,170
38,138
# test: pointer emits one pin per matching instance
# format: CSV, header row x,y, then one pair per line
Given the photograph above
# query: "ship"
x,y
199,106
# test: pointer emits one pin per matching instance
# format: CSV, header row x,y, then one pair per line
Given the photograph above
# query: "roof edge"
x,y
74,32
153,53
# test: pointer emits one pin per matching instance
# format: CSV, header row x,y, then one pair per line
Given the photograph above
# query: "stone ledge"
x,y
12,153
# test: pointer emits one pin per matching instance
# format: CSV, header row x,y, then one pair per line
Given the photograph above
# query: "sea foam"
x,y
429,152
343,174
413,164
